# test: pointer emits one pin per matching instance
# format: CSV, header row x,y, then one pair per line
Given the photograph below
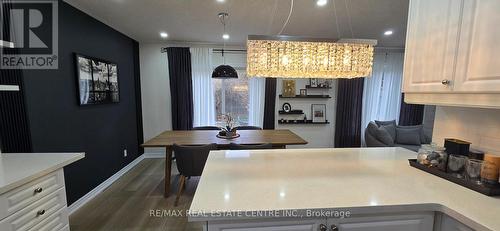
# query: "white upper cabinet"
x,y
452,49
478,65
431,45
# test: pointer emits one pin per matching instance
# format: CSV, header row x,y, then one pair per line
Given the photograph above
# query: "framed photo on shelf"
x,y
313,82
303,92
288,88
318,113
323,83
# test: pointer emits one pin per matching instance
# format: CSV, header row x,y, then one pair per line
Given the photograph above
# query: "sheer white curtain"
x,y
382,91
256,94
203,93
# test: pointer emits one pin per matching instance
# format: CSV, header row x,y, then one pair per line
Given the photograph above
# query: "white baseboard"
x,y
94,192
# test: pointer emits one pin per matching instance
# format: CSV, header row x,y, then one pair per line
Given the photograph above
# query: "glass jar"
x,y
423,152
473,170
489,172
456,165
442,159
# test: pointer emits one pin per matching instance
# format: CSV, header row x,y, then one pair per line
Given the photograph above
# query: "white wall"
x,y
156,105
155,92
479,126
318,135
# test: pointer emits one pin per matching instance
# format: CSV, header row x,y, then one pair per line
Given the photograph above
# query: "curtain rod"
x,y
229,50
218,50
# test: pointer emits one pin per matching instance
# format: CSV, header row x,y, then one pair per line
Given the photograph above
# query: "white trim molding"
x,y
101,187
108,182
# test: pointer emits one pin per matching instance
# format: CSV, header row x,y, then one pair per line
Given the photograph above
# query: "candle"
x,y
491,169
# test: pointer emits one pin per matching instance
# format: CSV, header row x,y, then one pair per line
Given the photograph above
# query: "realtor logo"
x,y
31,26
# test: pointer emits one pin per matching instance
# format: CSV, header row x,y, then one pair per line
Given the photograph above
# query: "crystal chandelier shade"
x,y
282,57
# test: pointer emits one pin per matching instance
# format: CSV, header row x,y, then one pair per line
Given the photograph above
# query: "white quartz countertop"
x,y
17,169
362,178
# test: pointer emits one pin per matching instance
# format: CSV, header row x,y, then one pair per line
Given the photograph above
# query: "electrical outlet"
x,y
124,152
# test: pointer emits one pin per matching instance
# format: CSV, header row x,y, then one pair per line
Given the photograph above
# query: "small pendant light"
x,y
224,71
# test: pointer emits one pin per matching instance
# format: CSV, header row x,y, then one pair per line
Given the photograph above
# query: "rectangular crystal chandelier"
x,y
293,57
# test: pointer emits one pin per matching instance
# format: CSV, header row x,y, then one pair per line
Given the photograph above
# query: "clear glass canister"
x,y
442,159
424,151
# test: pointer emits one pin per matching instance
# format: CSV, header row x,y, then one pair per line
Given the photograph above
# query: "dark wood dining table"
x,y
278,138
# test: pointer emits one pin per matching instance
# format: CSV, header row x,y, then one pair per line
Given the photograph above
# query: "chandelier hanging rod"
x,y
372,42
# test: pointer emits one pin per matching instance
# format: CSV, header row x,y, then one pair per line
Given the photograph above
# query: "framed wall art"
x,y
97,81
318,113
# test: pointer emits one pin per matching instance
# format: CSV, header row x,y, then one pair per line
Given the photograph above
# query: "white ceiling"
x,y
196,21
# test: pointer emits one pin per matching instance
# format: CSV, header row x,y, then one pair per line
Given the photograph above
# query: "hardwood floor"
x,y
127,203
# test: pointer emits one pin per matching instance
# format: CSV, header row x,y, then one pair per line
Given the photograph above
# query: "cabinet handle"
x,y
38,190
323,227
40,212
445,82
334,228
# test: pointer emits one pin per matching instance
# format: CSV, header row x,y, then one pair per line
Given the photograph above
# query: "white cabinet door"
x,y
478,66
431,45
413,222
262,225
449,224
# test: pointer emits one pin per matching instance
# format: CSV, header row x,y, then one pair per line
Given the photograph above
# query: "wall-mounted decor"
x,y
318,112
303,92
288,88
323,83
287,107
97,80
313,82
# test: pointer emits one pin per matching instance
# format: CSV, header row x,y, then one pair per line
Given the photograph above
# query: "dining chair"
x,y
248,128
234,146
190,162
206,128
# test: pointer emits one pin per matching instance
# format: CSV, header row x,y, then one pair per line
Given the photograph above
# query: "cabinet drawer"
x,y
22,196
35,213
54,222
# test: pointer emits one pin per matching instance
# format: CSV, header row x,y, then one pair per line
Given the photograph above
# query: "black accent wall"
x,y
59,124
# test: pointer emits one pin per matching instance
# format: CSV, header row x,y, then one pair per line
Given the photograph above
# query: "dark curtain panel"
x,y
269,103
348,118
410,114
181,87
138,99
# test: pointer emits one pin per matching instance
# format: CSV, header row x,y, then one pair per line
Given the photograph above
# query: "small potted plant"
x,y
229,129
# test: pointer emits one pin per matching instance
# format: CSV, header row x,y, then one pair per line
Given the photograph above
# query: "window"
x,y
232,97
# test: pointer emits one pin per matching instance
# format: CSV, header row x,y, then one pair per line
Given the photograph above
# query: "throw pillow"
x,y
408,135
423,140
389,122
384,136
391,128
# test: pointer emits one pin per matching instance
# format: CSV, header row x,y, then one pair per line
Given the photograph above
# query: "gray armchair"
x,y
190,162
248,128
203,128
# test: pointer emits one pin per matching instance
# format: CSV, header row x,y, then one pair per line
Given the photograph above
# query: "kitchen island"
x,y
33,191
333,189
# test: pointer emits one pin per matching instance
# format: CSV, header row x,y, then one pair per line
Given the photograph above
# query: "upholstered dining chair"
x,y
206,128
190,162
234,146
248,128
